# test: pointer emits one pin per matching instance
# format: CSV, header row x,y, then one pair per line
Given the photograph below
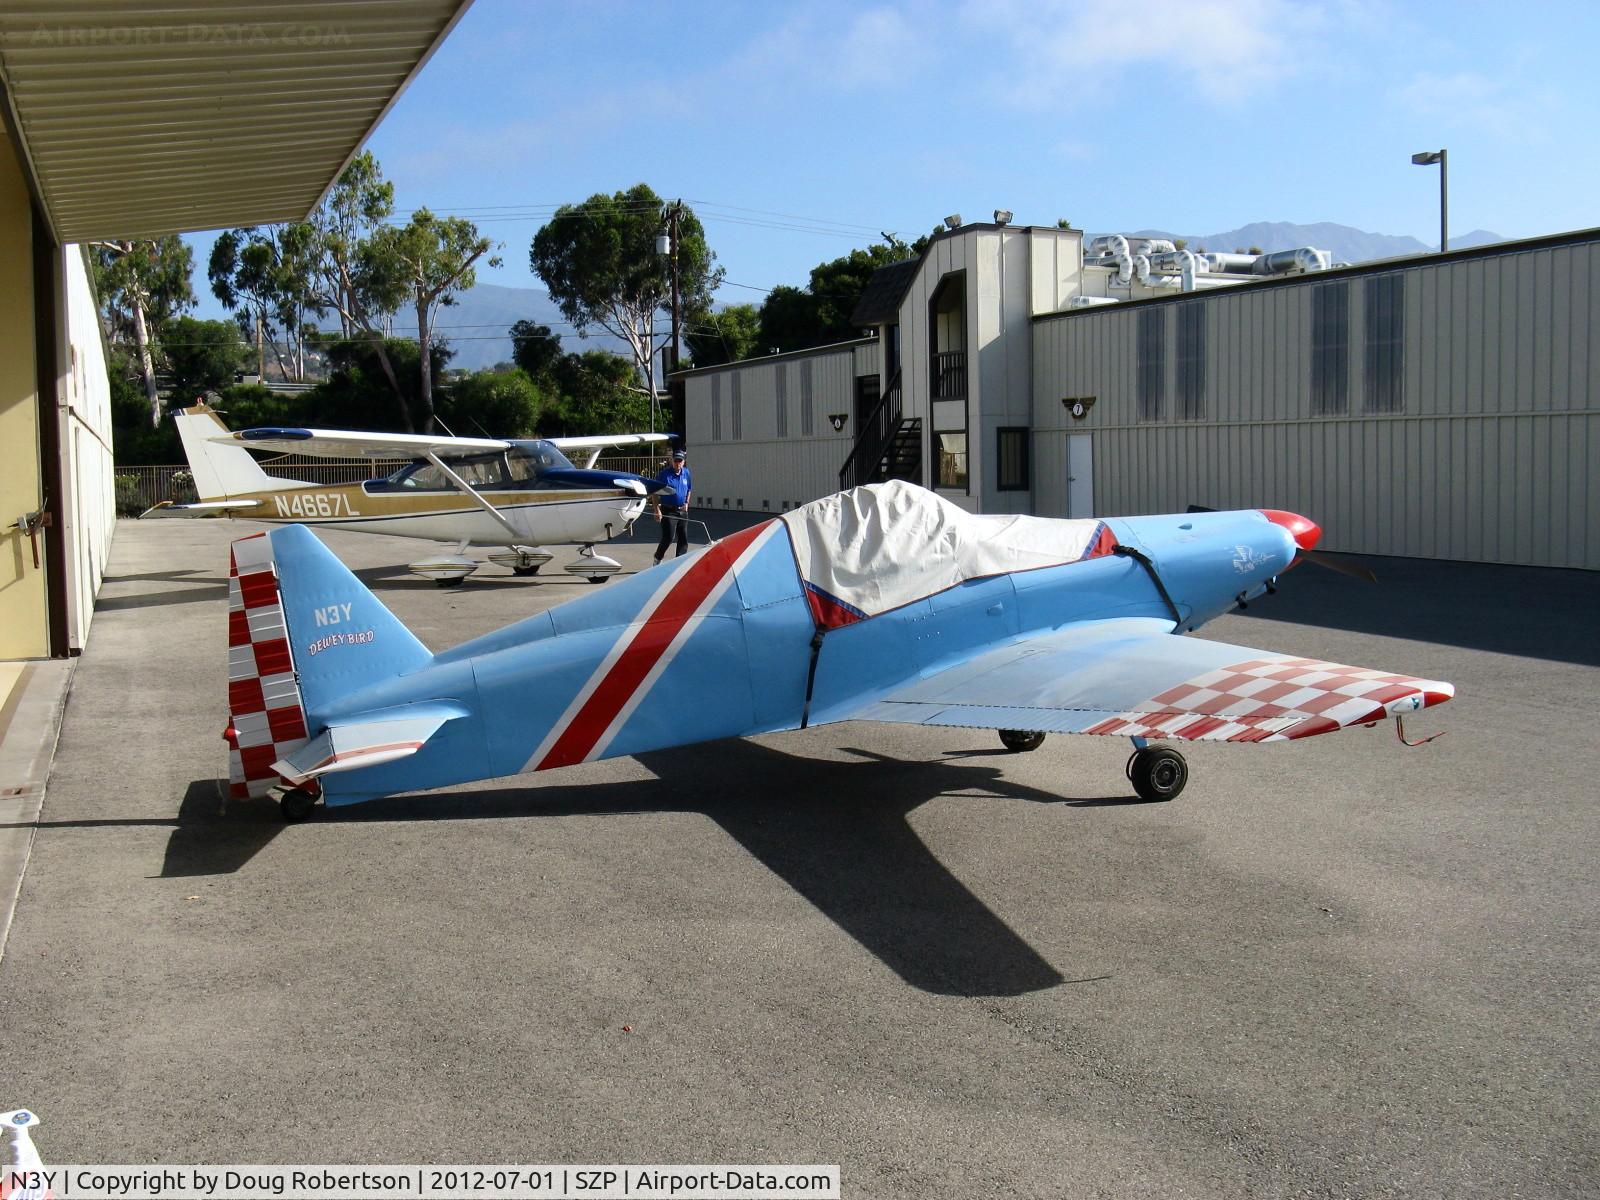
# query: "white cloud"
x,y
874,48
1227,50
1505,107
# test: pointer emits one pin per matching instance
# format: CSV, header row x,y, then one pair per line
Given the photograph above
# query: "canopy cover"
x,y
884,545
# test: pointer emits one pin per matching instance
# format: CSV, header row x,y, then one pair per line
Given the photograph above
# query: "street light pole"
x,y
1428,158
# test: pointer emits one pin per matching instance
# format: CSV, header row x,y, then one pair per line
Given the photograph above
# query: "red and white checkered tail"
x,y
266,718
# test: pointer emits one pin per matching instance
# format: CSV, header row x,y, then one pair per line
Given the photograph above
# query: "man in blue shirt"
x,y
673,504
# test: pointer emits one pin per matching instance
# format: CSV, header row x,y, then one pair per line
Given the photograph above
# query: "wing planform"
x,y
348,443
601,441
1131,677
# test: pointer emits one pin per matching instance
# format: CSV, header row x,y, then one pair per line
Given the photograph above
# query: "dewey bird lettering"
x,y
470,491
884,603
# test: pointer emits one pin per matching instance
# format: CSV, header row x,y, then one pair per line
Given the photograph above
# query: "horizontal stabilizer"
x,y
367,739
204,508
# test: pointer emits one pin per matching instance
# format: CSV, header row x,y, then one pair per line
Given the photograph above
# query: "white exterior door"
x,y
1080,475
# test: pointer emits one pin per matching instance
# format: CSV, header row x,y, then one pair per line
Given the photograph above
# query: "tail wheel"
x,y
297,804
1158,773
1020,740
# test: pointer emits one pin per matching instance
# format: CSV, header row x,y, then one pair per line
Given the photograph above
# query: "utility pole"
x,y
672,223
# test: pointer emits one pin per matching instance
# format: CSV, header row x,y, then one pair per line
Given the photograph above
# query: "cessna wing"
x,y
598,443
1132,677
349,443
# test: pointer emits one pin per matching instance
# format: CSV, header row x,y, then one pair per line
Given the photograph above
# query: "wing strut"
x,y
516,534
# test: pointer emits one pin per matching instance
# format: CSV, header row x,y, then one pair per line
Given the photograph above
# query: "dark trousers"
x,y
671,517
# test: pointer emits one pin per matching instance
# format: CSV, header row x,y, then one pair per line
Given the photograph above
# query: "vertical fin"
x,y
221,472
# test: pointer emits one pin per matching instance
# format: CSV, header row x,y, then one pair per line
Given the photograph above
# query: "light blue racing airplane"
x,y
883,603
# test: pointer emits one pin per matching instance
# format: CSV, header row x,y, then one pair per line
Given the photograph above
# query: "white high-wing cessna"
x,y
483,491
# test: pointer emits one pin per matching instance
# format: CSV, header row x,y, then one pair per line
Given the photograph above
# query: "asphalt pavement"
x,y
1338,967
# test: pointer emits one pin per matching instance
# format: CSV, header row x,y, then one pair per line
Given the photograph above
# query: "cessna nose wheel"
x,y
1157,773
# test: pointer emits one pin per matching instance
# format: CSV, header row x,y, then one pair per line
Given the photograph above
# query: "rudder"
x,y
303,633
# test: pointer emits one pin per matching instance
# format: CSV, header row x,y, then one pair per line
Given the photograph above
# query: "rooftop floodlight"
x,y
1427,158
953,221
1002,216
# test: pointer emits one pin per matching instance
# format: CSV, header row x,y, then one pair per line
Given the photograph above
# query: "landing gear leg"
x,y
1157,772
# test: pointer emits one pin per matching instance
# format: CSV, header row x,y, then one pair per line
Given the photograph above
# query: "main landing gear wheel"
x,y
297,804
457,582
1020,740
598,578
533,570
1157,773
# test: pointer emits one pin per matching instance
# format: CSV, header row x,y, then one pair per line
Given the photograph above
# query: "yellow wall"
x,y
24,619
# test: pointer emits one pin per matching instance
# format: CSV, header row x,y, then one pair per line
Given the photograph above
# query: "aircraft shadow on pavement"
x,y
196,587
836,832
1532,612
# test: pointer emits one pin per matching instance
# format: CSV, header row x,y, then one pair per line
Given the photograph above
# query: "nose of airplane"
x,y
1305,532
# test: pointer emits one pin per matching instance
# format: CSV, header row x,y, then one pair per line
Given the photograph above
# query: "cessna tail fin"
x,y
303,634
221,471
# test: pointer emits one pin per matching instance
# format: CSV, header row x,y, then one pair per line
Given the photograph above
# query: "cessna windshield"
x,y
518,467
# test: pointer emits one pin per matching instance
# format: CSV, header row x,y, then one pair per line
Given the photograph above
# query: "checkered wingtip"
x,y
1274,698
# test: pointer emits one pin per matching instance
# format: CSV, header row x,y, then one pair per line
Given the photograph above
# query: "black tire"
x,y
450,582
1020,741
297,804
598,578
1158,773
533,570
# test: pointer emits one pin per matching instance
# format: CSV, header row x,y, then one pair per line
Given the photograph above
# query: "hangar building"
x,y
1442,406
134,120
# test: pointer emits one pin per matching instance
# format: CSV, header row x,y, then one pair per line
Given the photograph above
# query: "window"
x,y
1152,362
736,405
716,408
1330,348
952,468
1011,459
807,418
1191,362
1385,302
781,386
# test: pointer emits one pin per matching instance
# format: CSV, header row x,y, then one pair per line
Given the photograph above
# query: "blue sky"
x,y
1189,115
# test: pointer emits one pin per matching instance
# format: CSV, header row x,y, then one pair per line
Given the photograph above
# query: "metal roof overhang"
x,y
139,118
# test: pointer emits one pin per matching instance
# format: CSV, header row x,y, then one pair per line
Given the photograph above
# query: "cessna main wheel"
x,y
1158,773
297,804
533,570
1020,740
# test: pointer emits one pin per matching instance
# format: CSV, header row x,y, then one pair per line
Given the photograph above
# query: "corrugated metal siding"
x,y
143,118
1493,456
758,465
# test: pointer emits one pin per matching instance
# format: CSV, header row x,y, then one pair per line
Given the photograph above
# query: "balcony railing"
x,y
950,375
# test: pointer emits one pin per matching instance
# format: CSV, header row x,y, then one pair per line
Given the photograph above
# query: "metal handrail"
x,y
877,431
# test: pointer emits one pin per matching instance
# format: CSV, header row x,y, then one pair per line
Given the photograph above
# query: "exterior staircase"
x,y
888,444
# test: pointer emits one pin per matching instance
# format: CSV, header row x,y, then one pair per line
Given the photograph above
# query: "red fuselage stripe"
x,y
649,643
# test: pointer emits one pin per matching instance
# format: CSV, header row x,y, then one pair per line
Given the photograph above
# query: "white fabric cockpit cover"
x,y
877,547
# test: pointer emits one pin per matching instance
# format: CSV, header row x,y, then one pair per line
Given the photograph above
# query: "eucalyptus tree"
x,y
600,262
433,258
142,283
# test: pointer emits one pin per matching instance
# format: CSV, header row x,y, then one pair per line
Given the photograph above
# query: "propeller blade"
x,y
1354,570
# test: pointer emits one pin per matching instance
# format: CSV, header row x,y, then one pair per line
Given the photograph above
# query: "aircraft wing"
x,y
601,441
1132,677
202,508
352,443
